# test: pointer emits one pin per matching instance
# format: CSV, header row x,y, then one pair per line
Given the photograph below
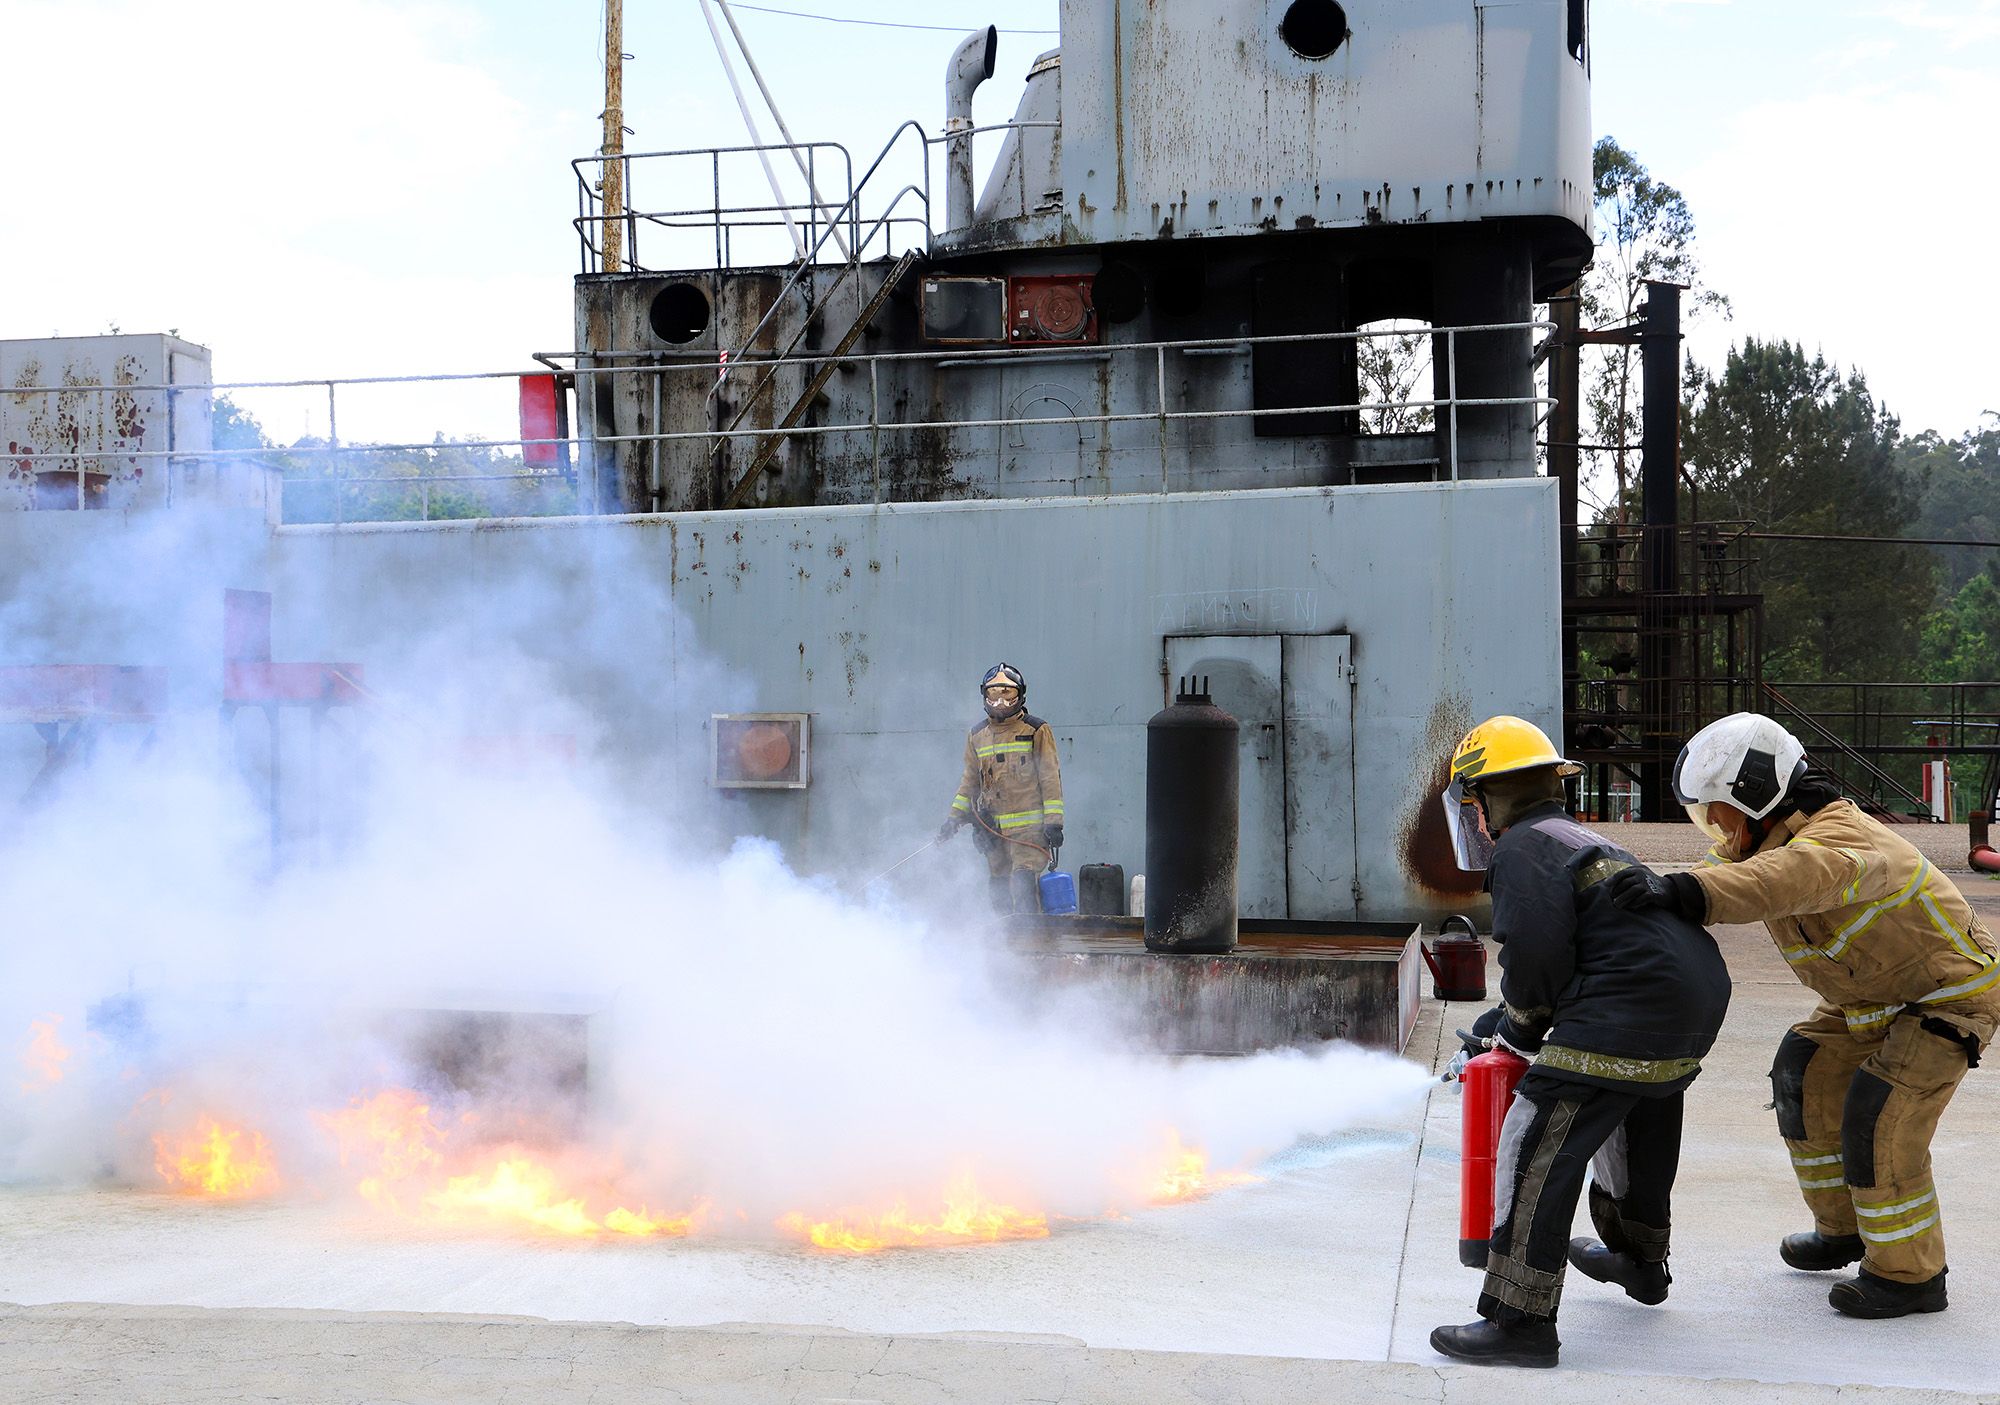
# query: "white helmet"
x,y
1745,760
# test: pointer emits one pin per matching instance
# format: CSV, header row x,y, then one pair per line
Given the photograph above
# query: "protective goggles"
x,y
1002,692
1471,844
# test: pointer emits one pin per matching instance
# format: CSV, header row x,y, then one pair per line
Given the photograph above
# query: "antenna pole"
x,y
613,150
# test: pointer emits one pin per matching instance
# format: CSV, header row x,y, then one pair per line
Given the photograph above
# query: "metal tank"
x,y
1191,812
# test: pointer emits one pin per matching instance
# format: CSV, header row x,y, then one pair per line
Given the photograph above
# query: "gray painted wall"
x,y
879,621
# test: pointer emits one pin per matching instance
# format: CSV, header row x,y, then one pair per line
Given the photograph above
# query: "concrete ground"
x,y
1320,1282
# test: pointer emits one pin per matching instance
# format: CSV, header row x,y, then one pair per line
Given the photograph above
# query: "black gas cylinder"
x,y
1191,787
1100,889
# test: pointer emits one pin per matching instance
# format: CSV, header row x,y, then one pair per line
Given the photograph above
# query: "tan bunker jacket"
x,y
1863,919
1013,779
1909,980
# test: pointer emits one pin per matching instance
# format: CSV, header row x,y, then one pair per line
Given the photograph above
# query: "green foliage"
x,y
1789,443
234,427
1961,498
359,484
1961,640
442,483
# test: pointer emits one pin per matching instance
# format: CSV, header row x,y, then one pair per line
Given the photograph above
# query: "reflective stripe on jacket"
x,y
1011,773
1861,917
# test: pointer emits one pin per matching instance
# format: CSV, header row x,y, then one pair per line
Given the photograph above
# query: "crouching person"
x,y
1614,1015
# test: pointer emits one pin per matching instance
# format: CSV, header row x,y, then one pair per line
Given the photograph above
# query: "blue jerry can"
x,y
1058,892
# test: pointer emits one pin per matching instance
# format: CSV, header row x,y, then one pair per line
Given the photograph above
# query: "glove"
x,y
1679,893
1054,834
1454,1071
1639,887
1500,1042
946,830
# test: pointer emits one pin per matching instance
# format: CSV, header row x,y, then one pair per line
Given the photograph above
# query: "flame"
x,y
1185,1175
214,1159
521,1192
396,1141
45,1055
966,1217
393,1133
516,1190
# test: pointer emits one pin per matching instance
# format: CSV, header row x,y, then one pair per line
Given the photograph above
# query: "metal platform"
x,y
1289,983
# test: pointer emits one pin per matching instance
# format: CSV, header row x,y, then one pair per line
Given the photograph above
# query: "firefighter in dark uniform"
x,y
1011,790
1614,1015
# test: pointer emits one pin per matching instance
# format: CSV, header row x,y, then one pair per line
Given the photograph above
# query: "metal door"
x,y
1245,675
1319,777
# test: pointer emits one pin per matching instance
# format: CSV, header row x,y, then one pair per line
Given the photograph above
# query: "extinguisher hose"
x,y
1044,850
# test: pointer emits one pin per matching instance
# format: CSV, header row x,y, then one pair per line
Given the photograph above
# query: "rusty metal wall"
x,y
62,396
1049,443
1197,118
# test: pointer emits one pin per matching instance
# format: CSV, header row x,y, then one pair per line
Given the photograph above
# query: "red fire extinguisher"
x,y
1489,1089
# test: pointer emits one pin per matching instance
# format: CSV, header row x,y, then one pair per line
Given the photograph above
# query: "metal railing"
x,y
836,216
326,463
1710,558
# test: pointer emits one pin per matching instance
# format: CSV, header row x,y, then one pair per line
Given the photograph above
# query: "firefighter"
x,y
1012,792
1614,1014
1909,985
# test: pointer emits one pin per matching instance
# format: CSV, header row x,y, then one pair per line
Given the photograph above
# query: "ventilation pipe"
x,y
971,64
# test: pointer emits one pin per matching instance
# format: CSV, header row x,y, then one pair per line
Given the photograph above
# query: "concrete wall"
x,y
878,621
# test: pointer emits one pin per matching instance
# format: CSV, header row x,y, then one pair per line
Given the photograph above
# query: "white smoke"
x,y
754,1037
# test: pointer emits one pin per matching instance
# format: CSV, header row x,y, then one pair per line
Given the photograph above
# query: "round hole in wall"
x,y
1312,29
679,313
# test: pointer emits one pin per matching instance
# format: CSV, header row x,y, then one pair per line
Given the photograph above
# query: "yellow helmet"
x,y
1493,748
1502,744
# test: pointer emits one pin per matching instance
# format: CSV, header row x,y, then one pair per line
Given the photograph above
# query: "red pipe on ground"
x,y
1984,858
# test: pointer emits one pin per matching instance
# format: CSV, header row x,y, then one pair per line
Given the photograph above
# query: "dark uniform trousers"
x,y
1555,1129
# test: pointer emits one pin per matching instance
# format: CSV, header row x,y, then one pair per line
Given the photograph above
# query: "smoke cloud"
x,y
561,951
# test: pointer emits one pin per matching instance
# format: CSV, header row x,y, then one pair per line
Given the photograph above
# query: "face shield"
x,y
1003,700
1471,844
1724,841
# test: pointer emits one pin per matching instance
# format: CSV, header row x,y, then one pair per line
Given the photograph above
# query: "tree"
x,y
1789,443
362,484
1961,498
1645,233
1962,640
1393,370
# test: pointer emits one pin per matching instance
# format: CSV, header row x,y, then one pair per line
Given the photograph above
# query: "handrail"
x,y
857,245
1842,747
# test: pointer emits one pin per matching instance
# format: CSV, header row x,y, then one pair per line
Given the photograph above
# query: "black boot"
x,y
1819,1253
1643,1282
1486,1343
1868,1296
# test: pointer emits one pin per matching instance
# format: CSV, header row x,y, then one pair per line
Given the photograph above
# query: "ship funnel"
x,y
971,64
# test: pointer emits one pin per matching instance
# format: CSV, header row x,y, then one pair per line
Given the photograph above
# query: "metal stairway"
x,y
770,443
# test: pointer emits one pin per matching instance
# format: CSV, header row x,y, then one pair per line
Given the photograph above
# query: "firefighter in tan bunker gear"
x,y
1011,791
1909,985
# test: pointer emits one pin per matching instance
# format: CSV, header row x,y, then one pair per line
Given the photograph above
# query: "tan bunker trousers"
x,y
1857,1111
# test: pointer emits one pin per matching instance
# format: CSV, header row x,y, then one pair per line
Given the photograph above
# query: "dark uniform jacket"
x,y
1599,995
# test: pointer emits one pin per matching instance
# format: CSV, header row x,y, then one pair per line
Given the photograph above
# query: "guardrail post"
x,y
1451,392
333,453
1160,391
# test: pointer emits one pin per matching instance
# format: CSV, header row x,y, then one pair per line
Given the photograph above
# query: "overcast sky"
x,y
350,187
